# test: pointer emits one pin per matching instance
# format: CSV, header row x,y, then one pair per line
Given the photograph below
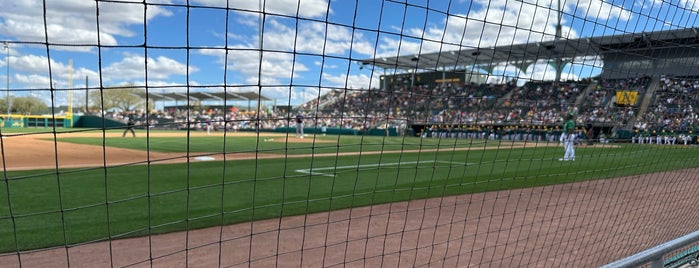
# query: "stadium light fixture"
x,y
6,45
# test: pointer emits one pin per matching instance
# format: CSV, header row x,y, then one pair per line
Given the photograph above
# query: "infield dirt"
x,y
39,151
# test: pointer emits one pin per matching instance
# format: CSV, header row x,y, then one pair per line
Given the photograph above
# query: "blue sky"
x,y
293,65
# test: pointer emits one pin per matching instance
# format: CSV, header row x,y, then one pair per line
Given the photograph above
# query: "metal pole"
x,y
559,61
9,104
558,23
259,74
260,30
87,95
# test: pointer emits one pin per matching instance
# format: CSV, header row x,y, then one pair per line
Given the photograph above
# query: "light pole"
x,y
6,45
556,38
558,22
559,61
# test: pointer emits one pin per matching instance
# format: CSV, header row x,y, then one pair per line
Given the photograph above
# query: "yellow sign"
x,y
626,97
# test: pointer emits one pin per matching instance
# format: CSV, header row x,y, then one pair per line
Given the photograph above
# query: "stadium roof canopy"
x,y
204,96
632,44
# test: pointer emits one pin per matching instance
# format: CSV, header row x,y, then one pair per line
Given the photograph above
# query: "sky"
x,y
309,46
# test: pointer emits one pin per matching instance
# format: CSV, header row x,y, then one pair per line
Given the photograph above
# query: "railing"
x,y
655,255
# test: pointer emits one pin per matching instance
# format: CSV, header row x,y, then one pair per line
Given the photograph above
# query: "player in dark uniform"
x,y
129,127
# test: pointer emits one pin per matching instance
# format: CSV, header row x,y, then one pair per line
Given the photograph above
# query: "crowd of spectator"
x,y
540,103
531,104
597,106
673,105
198,119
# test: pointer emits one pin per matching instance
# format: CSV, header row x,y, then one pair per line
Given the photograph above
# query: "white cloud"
x,y
305,8
497,23
690,4
542,70
601,10
277,66
32,81
245,59
353,81
651,3
32,72
479,28
132,67
311,38
314,37
74,21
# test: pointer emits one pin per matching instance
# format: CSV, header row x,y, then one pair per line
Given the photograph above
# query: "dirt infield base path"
x,y
584,224
39,151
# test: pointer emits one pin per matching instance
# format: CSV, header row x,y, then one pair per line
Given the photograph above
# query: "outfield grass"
x,y
80,205
262,144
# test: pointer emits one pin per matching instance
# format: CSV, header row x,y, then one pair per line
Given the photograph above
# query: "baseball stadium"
x,y
378,133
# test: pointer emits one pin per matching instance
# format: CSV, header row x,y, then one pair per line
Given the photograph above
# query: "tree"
x,y
28,105
123,98
3,105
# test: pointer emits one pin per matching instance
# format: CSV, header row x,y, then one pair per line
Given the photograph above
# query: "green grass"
x,y
80,205
229,144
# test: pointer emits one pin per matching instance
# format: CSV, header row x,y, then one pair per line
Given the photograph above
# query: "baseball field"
x,y
94,186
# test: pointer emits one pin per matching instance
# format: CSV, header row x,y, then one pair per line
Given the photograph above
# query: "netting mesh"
x,y
320,133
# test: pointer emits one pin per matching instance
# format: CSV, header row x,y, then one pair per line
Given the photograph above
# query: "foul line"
x,y
359,167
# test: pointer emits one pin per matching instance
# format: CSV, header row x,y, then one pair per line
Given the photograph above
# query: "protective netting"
x,y
314,133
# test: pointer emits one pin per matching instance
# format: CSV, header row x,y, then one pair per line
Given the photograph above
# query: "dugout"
x,y
508,129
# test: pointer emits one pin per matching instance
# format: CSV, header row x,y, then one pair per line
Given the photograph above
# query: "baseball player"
x,y
129,128
568,138
299,125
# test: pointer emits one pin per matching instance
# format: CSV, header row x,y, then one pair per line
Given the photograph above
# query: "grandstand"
x,y
633,62
539,104
419,107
